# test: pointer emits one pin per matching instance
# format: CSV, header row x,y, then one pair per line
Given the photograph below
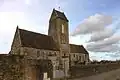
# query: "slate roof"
x,y
59,14
37,40
77,49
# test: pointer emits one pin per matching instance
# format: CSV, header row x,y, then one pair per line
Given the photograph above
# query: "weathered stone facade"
x,y
34,53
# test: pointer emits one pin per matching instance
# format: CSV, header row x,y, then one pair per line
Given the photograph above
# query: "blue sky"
x,y
92,23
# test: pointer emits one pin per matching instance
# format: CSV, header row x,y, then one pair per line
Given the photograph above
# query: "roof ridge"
x,y
33,32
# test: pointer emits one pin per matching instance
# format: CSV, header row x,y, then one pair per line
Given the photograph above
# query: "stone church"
x,y
55,46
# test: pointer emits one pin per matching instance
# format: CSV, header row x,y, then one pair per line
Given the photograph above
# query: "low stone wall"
x,y
11,67
89,70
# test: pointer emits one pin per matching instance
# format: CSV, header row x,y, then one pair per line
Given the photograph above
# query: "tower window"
x,y
63,28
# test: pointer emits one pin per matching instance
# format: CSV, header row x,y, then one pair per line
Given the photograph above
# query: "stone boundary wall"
x,y
16,67
89,70
11,67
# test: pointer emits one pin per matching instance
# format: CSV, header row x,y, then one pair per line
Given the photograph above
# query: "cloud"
x,y
106,33
92,24
101,35
106,40
107,45
107,48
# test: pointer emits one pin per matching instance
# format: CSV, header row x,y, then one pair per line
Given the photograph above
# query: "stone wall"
x,y
14,67
89,70
11,67
76,58
34,69
34,53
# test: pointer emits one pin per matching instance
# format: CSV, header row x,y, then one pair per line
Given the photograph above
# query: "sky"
x,y
92,23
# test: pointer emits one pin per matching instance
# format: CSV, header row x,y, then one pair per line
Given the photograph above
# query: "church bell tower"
x,y
59,30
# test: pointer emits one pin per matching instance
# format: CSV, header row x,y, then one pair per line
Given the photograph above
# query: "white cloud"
x,y
101,35
107,45
107,32
93,24
107,48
